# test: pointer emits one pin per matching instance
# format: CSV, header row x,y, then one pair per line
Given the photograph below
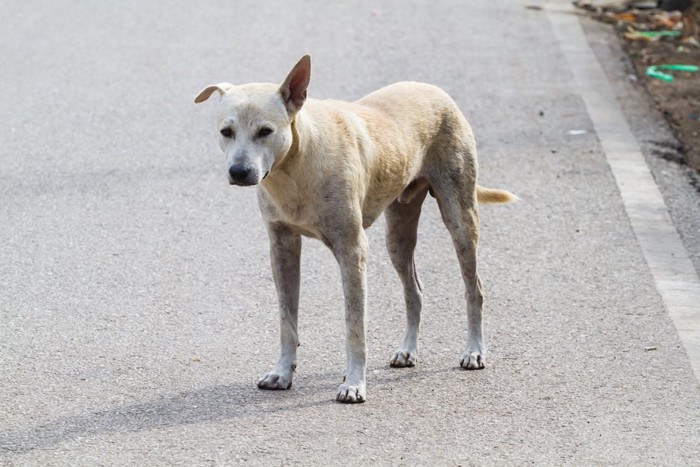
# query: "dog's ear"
x,y
209,90
293,90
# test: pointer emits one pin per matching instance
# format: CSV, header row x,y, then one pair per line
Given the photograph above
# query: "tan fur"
x,y
327,169
487,195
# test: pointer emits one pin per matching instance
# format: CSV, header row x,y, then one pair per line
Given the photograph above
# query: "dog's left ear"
x,y
293,90
209,90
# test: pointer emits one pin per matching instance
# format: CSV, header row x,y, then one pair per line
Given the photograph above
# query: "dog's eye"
x,y
226,132
264,131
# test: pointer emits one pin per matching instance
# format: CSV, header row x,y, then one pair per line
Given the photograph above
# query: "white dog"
x,y
327,169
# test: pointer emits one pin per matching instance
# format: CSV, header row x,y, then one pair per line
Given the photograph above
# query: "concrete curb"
x,y
674,275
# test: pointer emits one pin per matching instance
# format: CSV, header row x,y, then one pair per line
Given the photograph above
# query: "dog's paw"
x,y
351,394
275,380
403,358
472,360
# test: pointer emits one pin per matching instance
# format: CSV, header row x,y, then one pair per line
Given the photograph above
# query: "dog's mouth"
x,y
246,180
241,183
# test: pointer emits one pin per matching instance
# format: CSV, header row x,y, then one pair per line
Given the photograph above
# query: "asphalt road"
x,y
137,309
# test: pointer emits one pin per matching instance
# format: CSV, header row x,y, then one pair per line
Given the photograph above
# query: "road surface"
x,y
137,309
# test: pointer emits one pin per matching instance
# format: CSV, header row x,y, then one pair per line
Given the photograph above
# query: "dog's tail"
x,y
487,195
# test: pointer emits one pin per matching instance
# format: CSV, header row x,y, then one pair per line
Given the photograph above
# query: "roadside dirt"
x,y
679,100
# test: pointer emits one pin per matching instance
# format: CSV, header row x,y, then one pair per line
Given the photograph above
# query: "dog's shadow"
x,y
212,404
217,403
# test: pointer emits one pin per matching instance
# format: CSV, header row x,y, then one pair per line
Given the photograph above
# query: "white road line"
x,y
676,279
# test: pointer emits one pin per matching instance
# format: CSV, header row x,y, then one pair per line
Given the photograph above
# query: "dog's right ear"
x,y
293,90
209,90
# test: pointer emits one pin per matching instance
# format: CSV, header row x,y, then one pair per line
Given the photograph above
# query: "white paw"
x,y
351,394
472,360
274,380
403,358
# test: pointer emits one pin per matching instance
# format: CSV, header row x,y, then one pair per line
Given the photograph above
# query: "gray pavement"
x,y
137,309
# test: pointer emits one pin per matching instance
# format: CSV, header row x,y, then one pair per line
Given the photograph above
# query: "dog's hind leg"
x,y
401,234
462,220
456,195
285,253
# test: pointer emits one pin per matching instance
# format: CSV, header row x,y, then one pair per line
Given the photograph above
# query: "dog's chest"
x,y
293,210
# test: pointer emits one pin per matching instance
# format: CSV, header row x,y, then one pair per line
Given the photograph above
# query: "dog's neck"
x,y
286,189
295,151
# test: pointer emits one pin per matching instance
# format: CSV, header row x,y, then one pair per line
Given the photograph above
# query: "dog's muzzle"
x,y
242,175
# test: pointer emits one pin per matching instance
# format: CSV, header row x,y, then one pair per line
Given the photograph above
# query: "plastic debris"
x,y
576,132
650,35
654,71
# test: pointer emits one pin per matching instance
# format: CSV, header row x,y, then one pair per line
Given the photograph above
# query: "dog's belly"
x,y
393,174
373,208
368,218
307,231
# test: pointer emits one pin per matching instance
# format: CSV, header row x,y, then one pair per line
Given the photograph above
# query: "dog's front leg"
x,y
285,253
351,253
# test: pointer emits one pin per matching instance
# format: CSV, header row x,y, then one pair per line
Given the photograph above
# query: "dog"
x,y
326,169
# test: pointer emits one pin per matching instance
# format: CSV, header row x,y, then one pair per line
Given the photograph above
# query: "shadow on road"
x,y
226,402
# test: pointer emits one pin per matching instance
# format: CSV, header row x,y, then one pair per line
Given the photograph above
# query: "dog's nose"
x,y
239,172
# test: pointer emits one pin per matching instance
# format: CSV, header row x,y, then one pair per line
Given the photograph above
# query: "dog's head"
x,y
255,122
